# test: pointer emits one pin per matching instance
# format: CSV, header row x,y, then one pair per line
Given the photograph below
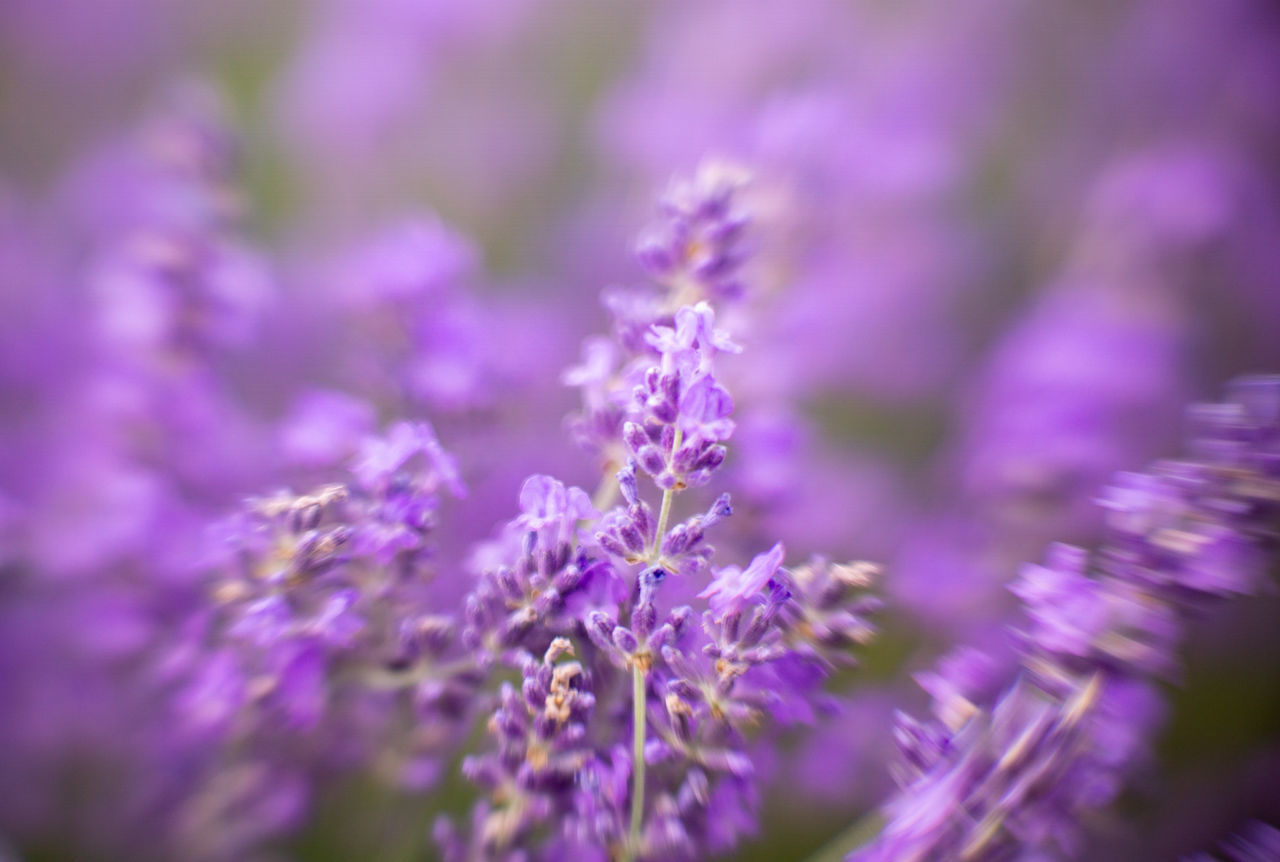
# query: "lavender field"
x,y
617,431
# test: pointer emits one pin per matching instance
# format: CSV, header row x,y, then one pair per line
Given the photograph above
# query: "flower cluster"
x,y
968,263
986,781
653,379
696,250
321,645
690,690
541,732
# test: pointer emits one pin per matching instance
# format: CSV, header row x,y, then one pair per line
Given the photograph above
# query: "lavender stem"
x,y
639,697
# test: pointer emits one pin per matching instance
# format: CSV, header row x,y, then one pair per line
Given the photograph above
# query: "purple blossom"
x,y
987,782
704,410
696,249
734,586
562,572
324,428
542,748
320,626
980,257
989,786
552,511
416,260
382,458
691,347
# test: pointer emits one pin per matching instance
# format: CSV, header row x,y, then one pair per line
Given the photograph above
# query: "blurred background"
x,y
998,247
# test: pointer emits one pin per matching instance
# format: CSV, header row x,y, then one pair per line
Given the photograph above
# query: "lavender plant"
x,y
625,719
1005,776
983,256
693,687
320,649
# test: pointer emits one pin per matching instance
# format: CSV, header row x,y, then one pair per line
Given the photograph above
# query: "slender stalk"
x,y
639,697
663,515
665,512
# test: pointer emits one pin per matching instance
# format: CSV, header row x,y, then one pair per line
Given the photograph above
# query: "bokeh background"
x,y
999,245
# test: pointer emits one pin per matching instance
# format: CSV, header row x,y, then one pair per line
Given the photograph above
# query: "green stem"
x,y
665,512
663,515
639,696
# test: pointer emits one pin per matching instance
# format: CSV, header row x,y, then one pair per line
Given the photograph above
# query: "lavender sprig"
x,y
322,634
990,783
541,733
609,583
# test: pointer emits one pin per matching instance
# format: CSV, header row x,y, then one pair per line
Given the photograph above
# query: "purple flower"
x,y
922,248
542,748
552,510
696,697
695,249
1086,622
597,369
992,784
733,587
381,458
704,410
416,260
324,428
1017,775
691,346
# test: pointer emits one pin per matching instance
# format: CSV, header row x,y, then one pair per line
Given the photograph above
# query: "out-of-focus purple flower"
x,y
382,459
988,788
320,625
416,260
733,587
553,511
596,371
358,101
1086,623
1086,384
404,288
1099,628
324,428
695,250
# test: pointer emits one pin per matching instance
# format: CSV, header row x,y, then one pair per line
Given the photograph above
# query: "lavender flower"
x,y
733,587
675,324
684,413
982,790
989,783
696,249
323,629
324,428
403,289
551,511
981,254
574,574
542,749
